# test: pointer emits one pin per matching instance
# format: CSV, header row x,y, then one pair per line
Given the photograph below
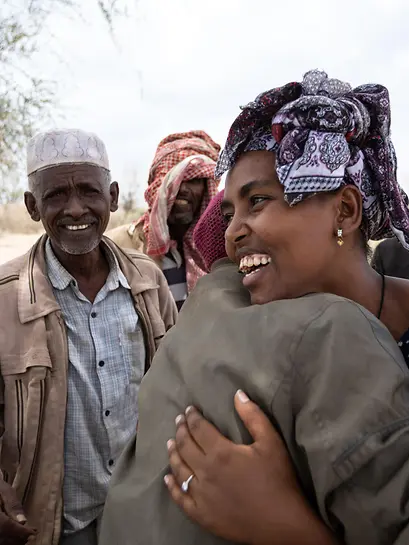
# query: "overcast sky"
x,y
187,64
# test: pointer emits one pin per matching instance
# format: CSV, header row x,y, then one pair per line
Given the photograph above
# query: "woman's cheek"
x,y
230,251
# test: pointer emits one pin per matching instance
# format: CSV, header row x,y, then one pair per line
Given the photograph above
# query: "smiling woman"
x,y
308,329
296,242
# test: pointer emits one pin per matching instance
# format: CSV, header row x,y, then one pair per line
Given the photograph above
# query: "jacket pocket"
x,y
25,381
16,364
380,449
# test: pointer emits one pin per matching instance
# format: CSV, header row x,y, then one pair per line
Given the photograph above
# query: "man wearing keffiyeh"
x,y
180,186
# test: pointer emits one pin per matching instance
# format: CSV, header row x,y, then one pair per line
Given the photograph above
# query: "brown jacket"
x,y
131,236
33,379
128,236
328,374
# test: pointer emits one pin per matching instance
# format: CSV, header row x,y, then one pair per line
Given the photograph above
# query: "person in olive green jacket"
x,y
391,258
308,330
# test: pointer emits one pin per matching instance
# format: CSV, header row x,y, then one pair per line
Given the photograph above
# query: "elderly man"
x,y
81,320
180,186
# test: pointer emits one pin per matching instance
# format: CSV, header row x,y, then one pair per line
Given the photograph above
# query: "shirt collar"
x,y
60,278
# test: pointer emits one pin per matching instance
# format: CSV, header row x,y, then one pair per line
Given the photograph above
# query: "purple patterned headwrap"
x,y
326,135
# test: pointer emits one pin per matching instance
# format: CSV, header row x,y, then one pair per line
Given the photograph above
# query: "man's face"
x,y
73,202
188,201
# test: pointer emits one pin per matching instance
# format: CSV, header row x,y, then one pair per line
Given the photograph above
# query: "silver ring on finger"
x,y
185,484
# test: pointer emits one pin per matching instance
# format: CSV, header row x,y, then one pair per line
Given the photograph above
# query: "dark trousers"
x,y
87,536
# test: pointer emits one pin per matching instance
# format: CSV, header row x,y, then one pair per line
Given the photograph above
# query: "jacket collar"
x,y
35,293
138,281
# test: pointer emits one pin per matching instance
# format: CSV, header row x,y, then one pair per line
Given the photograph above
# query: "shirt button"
x,y
93,314
107,413
101,363
111,463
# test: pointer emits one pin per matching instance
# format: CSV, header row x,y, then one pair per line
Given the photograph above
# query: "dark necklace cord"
x,y
382,296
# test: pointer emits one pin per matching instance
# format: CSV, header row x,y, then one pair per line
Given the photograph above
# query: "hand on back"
x,y
243,493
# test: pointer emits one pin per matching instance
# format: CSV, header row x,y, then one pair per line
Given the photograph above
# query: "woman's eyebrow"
x,y
254,184
245,190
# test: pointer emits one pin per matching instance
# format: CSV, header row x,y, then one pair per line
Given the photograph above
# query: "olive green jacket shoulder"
x,y
329,376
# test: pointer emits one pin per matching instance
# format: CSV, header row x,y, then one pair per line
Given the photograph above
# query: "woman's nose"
x,y
236,231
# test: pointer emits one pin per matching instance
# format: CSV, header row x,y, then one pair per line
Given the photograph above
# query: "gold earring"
x,y
340,240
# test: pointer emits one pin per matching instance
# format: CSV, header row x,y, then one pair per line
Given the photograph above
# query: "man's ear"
x,y
31,205
114,193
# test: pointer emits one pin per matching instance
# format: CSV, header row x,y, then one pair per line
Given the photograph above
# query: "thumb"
x,y
256,422
10,504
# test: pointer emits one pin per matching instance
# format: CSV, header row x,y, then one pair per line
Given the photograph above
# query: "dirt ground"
x,y
12,245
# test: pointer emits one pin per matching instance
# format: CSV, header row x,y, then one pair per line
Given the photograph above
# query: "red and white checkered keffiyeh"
x,y
179,157
209,233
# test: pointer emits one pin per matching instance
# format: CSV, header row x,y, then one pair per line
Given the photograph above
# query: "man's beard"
x,y
86,249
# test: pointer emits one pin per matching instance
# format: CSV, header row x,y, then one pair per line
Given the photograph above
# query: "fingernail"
x,y
166,478
170,444
21,518
189,410
179,419
242,396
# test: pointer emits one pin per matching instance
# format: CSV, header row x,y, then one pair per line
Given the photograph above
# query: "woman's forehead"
x,y
253,167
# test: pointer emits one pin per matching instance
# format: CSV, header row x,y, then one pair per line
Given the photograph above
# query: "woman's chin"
x,y
258,297
259,283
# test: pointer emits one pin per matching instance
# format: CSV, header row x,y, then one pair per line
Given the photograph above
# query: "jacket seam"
x,y
7,279
34,460
317,417
389,428
20,416
295,346
31,284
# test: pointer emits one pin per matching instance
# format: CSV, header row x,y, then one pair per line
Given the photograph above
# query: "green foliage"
x,y
26,100
10,194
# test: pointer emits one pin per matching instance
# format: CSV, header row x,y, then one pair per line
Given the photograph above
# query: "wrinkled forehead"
x,y
71,174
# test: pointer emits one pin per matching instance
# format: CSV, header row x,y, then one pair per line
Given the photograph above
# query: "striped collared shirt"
x,y
176,278
106,365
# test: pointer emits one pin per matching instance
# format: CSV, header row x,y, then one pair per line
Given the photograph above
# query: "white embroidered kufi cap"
x,y
65,146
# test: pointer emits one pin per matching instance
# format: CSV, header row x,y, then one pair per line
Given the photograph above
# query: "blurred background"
x,y
134,71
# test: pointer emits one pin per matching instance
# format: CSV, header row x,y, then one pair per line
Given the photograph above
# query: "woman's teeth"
x,y
77,227
249,262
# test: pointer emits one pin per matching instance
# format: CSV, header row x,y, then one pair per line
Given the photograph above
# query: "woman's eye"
x,y
227,218
257,199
